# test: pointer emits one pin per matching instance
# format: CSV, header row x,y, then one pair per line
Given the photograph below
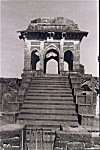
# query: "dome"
x,y
53,24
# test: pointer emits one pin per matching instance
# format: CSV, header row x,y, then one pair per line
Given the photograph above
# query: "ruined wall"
x,y
8,91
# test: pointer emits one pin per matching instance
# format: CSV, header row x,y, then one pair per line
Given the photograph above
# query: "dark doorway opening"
x,y
68,57
35,59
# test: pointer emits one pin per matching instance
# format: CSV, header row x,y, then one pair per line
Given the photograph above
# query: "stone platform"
x,y
76,139
12,137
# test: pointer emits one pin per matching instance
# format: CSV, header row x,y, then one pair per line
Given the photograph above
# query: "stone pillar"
x,y
61,56
76,59
41,56
27,56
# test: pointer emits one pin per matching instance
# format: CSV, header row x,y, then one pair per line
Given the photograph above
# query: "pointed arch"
x,y
51,54
51,46
68,57
35,57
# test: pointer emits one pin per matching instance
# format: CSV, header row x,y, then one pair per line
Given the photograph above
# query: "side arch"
x,y
68,57
35,57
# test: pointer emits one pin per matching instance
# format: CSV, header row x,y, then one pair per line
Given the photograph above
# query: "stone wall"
x,y
9,88
85,90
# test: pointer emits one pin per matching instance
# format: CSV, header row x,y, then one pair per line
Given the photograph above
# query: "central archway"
x,y
50,69
50,57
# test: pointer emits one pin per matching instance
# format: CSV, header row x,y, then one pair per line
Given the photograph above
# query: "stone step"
x,y
54,75
51,106
49,124
52,125
64,102
49,94
49,103
48,111
50,86
28,97
50,83
48,117
49,91
50,79
43,80
75,135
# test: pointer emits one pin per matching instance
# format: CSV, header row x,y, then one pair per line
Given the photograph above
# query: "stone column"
x,y
61,56
27,56
76,59
41,56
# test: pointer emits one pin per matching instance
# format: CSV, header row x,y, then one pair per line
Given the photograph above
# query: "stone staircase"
x,y
48,104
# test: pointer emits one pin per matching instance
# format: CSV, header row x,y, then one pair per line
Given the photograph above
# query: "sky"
x,y
17,14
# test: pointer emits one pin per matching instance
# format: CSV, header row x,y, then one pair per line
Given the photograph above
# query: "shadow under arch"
x,y
34,59
68,57
51,54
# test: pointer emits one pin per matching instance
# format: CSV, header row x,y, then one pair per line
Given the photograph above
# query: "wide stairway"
x,y
49,104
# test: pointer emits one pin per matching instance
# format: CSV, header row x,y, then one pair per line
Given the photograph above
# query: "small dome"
x,y
52,24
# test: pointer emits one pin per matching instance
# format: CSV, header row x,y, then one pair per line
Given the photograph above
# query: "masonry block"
x,y
60,144
88,99
81,99
94,97
96,140
74,136
20,98
87,120
14,106
84,109
75,80
25,84
9,117
77,91
11,137
75,146
75,85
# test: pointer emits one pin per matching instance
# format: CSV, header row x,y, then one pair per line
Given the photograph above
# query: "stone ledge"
x,y
9,117
11,127
11,137
81,104
87,115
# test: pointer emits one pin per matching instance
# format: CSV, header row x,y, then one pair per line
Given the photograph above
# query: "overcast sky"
x,y
17,14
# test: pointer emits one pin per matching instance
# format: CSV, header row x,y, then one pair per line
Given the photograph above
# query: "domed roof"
x,y
53,24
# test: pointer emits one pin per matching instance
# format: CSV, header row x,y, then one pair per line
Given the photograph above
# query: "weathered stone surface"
x,y
14,106
87,120
11,137
84,109
9,117
53,24
75,146
9,91
96,140
74,136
